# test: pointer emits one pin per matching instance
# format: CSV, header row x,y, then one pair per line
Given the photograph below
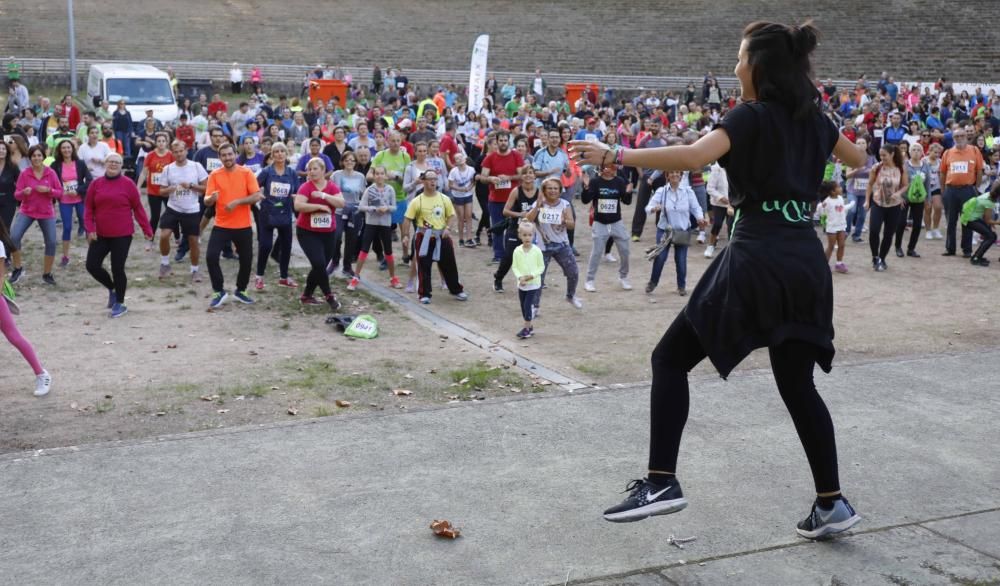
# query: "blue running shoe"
x,y
218,298
823,523
118,310
243,298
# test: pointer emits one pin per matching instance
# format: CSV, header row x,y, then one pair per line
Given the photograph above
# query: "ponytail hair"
x,y
780,66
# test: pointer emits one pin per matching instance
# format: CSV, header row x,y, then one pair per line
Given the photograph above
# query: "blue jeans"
x,y
680,260
126,143
496,216
563,255
856,216
66,211
23,222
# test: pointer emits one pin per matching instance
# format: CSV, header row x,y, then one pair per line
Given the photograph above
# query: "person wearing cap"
x,y
590,131
156,123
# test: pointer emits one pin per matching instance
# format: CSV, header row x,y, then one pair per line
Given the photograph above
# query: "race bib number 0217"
x,y
550,216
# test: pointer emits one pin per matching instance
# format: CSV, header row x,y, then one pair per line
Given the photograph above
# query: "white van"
x,y
143,87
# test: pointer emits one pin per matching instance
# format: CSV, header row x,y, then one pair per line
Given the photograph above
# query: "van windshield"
x,y
140,91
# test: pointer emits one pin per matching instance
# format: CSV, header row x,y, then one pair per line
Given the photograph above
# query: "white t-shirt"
x,y
184,201
3,251
100,151
463,181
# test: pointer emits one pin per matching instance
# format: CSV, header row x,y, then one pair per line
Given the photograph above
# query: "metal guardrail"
x,y
283,73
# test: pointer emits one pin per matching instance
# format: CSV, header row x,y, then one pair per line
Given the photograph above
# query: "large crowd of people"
x,y
429,175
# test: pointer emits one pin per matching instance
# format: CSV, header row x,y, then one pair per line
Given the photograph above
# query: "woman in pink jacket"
x,y
37,187
111,204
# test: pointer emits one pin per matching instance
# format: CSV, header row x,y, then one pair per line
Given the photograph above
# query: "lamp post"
x,y
72,50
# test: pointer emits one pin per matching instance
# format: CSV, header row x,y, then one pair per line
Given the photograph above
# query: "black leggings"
x,y
510,243
916,211
792,364
882,218
377,234
266,241
156,204
318,247
348,233
719,215
118,249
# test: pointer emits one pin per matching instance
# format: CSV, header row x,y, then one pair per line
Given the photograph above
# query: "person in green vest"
x,y
977,215
13,70
427,103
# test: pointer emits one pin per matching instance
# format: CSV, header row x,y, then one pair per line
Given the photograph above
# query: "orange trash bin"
x,y
575,90
326,89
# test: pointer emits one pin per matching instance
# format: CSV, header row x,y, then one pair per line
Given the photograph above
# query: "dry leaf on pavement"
x,y
403,392
444,529
341,403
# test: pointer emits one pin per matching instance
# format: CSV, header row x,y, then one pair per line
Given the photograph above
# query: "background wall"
x,y
913,39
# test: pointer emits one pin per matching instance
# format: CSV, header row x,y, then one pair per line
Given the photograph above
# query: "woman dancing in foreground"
x,y
771,286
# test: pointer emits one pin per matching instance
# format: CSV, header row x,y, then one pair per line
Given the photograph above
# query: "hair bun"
x,y
804,38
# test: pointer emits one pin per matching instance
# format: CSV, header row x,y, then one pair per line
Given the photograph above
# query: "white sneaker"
x,y
575,302
701,237
709,251
589,286
625,284
929,235
42,383
938,235
610,258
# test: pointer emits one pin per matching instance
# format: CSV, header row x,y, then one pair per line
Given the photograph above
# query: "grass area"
x,y
482,376
592,368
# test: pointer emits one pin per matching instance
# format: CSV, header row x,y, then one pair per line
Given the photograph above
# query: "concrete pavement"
x,y
348,499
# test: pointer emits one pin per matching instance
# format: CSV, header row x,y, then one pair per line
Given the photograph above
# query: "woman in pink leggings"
x,y
42,379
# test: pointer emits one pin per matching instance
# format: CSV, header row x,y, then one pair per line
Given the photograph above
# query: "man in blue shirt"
x,y
550,161
589,131
895,132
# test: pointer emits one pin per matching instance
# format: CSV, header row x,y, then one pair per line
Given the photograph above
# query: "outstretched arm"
x,y
673,158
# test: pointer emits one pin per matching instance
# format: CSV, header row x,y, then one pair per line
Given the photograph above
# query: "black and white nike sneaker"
x,y
646,499
823,523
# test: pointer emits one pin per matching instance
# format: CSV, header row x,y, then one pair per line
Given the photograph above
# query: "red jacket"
x,y
185,132
110,206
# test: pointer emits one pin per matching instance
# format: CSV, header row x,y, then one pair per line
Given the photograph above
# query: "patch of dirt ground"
x,y
170,366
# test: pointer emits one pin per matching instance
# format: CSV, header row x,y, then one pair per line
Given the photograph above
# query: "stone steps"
x,y
649,38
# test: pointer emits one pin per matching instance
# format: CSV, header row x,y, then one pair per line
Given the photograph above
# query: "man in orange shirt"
x,y
232,189
961,172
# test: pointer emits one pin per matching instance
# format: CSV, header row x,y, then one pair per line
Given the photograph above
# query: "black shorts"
x,y
189,224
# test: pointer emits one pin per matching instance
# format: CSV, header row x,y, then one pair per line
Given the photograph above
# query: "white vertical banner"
x,y
477,73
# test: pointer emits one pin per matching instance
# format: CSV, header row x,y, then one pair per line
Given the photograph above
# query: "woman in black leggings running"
x,y
771,286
